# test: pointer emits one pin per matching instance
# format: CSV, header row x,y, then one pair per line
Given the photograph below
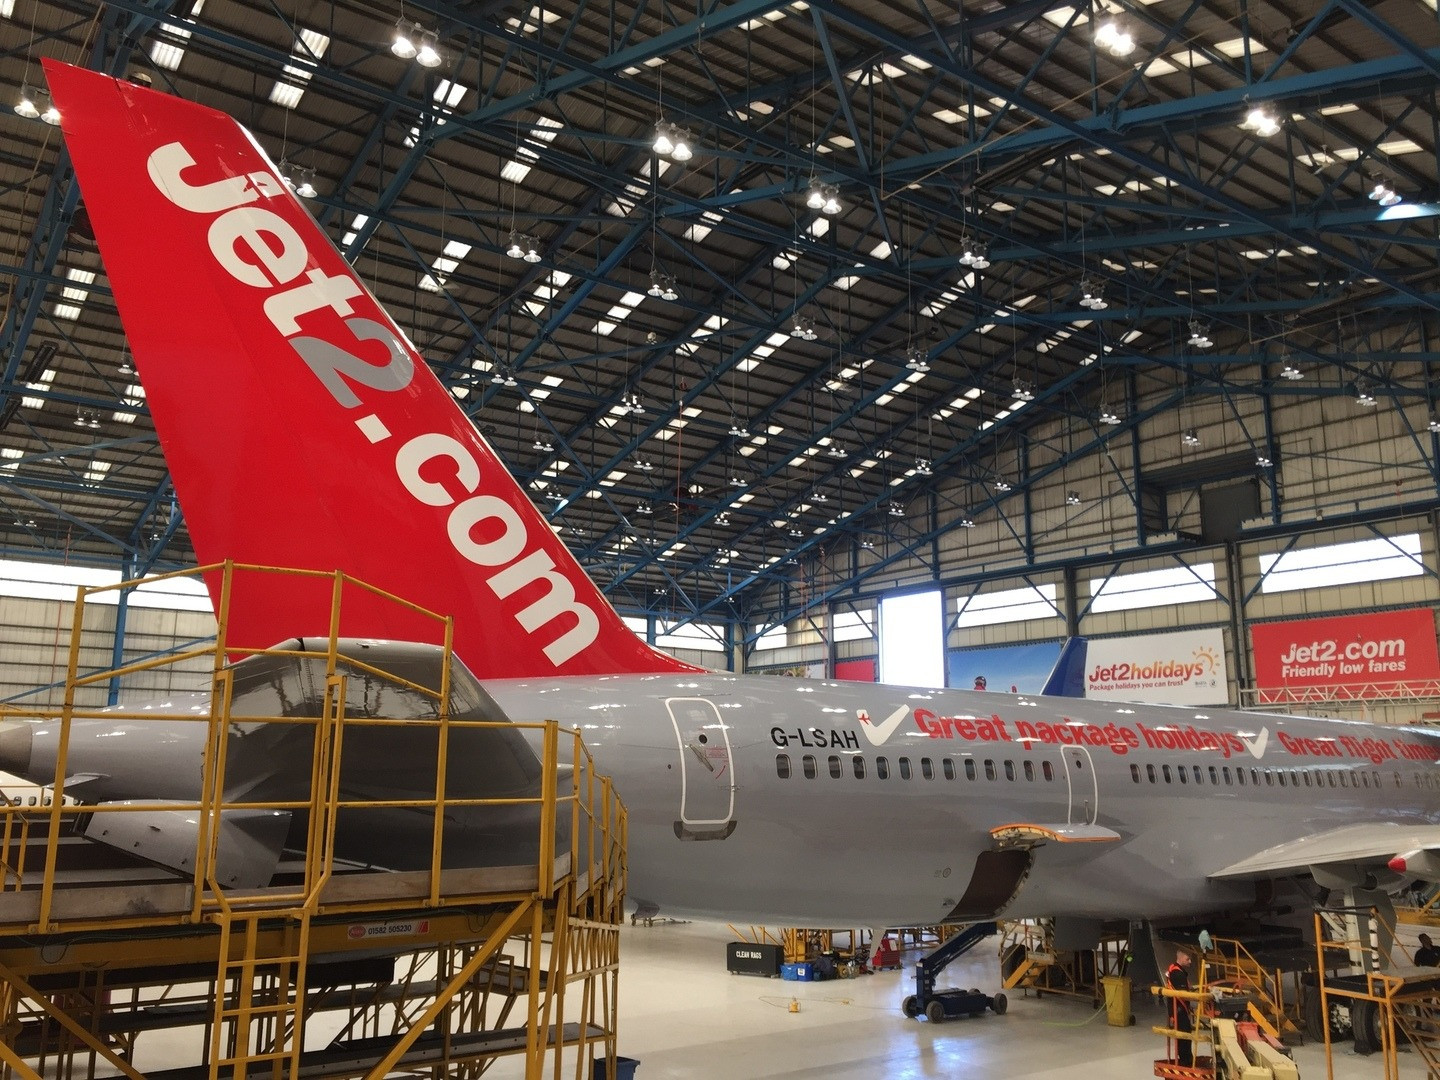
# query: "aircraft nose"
x,y
15,746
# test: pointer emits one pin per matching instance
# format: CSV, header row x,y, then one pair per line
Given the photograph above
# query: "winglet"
x,y
1067,677
300,425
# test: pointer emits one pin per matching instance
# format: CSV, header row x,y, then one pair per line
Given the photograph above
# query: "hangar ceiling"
x,y
1027,225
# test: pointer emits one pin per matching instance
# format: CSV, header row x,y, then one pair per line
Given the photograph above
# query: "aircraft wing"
x,y
1409,849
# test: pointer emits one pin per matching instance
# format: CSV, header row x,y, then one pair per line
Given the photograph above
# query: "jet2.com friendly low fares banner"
x,y
1184,668
1347,656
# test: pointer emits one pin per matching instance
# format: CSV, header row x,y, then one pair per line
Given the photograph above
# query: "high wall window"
x,y
1007,605
1378,559
852,625
50,581
777,637
1154,588
705,637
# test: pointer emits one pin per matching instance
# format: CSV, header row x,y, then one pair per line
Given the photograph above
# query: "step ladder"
x,y
260,994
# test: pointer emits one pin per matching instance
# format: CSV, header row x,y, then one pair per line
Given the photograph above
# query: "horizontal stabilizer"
x,y
251,841
1029,832
1375,843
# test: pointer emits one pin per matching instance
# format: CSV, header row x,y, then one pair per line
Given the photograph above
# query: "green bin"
x,y
1117,1000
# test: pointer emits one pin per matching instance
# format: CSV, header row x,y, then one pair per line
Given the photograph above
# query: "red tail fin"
x,y
300,426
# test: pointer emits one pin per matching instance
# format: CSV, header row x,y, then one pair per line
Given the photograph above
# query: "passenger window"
x,y
782,767
1225,772
1240,777
1180,769
1150,773
1344,780
1376,775
1199,776
904,768
1134,774
807,763
1254,777
1214,775
989,769
1306,774
1047,771
858,765
1165,772
969,768
1282,777
1330,778
1397,779
1030,771
948,768
1269,778
834,767
882,768
1009,770
927,770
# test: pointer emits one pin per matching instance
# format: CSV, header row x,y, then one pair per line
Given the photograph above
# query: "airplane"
x,y
303,429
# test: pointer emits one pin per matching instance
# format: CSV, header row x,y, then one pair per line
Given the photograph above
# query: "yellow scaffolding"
x,y
85,970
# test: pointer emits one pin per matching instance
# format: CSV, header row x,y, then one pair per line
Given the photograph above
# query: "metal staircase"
x,y
1230,963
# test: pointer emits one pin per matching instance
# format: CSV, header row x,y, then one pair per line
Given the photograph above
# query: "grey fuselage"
x,y
828,850
814,803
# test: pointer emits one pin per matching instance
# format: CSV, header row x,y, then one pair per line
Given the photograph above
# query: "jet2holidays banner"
x,y
1185,668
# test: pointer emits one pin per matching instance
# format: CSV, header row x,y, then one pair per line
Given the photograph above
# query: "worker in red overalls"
x,y
1177,977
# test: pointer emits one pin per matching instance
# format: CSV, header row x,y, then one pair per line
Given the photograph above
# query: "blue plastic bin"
x,y
624,1069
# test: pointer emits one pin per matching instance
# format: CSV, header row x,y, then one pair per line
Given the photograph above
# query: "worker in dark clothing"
x,y
1427,955
1182,1018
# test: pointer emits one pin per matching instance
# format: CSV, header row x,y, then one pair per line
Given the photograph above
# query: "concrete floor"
x,y
684,1018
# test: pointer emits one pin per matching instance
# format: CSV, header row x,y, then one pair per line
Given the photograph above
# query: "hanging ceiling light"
x,y
516,250
1261,121
737,429
966,521
815,194
1115,40
923,467
1434,424
510,379
1289,371
1108,416
644,509
737,481
1190,437
305,186
662,286
915,359
1024,391
895,510
1381,193
1072,498
663,143
1263,462
1199,339
50,114
403,43
673,141
643,465
835,450
867,545
428,54
1092,293
1001,484
830,203
975,253
819,496
542,444
25,106
722,518
1364,395
803,327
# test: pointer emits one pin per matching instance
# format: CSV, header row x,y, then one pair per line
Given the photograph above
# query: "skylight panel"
x,y
81,277
97,470
553,380
1061,16
356,224
1400,146
169,47
39,385
1343,107
1190,58
289,88
1160,66
66,311
1235,47
7,9
819,227
534,19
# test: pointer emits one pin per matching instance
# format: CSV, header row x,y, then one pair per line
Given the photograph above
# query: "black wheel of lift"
x,y
910,1007
1365,1022
935,1012
998,1004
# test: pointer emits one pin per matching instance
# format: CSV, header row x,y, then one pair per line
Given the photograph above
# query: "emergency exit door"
x,y
707,775
1084,788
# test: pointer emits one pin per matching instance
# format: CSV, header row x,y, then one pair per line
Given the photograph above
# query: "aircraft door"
x,y
707,774
1084,788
